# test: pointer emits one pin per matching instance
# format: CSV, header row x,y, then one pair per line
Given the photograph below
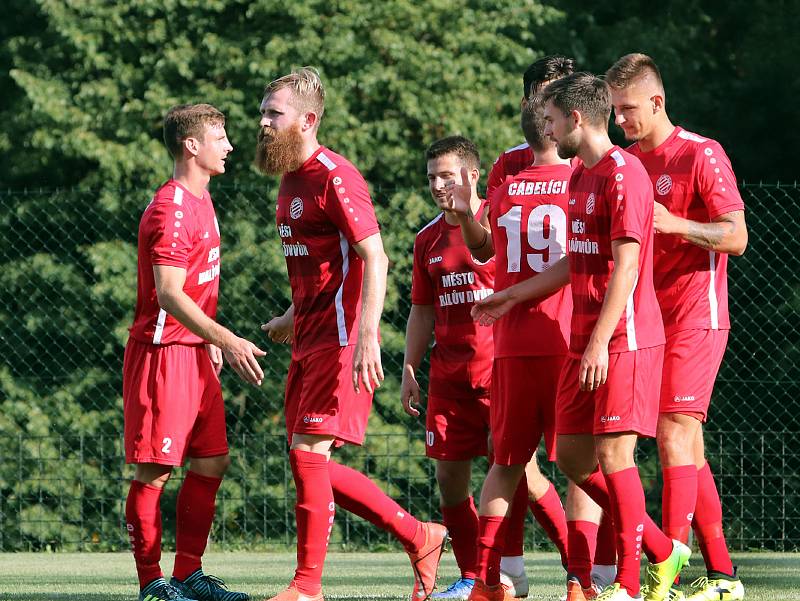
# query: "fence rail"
x,y
67,274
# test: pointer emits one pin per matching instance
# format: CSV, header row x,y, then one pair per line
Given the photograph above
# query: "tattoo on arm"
x,y
709,235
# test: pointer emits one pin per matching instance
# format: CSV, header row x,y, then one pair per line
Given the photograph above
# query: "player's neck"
x,y
310,146
594,147
547,157
661,131
191,177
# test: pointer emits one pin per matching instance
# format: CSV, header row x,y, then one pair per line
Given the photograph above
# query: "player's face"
x,y
443,169
562,130
214,149
633,111
279,148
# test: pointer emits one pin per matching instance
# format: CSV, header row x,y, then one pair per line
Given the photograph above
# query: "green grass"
x,y
111,576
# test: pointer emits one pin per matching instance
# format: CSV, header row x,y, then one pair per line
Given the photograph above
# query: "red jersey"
x,y
612,200
692,177
446,276
323,209
528,217
511,162
178,229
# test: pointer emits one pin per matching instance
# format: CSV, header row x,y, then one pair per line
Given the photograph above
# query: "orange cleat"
x,y
575,592
425,561
482,592
292,594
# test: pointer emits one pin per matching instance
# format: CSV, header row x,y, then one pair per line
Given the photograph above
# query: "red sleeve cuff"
x,y
627,234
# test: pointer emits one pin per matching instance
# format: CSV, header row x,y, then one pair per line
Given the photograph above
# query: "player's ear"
x,y
191,146
310,121
577,118
474,176
658,103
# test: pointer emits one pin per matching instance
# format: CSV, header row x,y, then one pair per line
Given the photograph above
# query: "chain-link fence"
x,y
67,285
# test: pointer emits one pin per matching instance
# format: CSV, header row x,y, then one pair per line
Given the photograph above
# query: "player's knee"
x,y
674,443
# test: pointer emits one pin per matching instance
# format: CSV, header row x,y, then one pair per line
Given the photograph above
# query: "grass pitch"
x,y
111,576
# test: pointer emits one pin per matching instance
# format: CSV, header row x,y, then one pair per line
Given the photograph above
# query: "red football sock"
x,y
582,537
143,517
492,530
628,512
549,512
195,512
707,524
678,500
515,533
605,553
461,522
314,514
356,493
656,544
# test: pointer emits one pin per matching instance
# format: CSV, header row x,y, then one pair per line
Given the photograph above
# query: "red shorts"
x,y
456,429
627,402
320,398
691,362
173,404
523,406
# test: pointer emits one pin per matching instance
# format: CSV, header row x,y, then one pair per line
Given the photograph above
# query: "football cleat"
x,y
482,592
517,586
460,589
616,593
425,560
159,590
292,594
659,577
204,587
716,589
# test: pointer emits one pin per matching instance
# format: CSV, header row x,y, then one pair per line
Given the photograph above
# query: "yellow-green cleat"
x,y
659,577
716,589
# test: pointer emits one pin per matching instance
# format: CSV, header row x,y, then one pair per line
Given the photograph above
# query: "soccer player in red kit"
x,y
525,231
699,221
608,390
580,508
445,283
171,391
337,270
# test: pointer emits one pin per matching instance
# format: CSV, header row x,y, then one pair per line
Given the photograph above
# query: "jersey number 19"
x,y
546,232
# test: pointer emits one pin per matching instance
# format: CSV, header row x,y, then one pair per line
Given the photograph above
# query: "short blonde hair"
x,y
189,121
631,67
308,93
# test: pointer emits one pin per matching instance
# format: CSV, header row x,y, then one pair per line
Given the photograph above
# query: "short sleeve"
x,y
421,285
349,206
497,176
716,181
630,195
168,229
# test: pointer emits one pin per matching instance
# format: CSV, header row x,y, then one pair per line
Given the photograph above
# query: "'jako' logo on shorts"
x,y
296,208
663,184
307,419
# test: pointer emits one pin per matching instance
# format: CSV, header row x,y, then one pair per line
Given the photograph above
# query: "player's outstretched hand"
x,y
215,354
456,196
367,364
280,329
409,392
594,366
241,354
488,310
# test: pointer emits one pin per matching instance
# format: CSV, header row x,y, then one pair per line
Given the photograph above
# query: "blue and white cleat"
x,y
159,590
460,589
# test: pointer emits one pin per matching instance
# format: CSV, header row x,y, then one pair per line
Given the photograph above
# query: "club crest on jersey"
x,y
590,204
663,184
296,208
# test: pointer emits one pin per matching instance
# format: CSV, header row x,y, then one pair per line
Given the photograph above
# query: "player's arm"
x,y
280,328
367,361
488,310
477,234
419,331
241,353
594,363
726,233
